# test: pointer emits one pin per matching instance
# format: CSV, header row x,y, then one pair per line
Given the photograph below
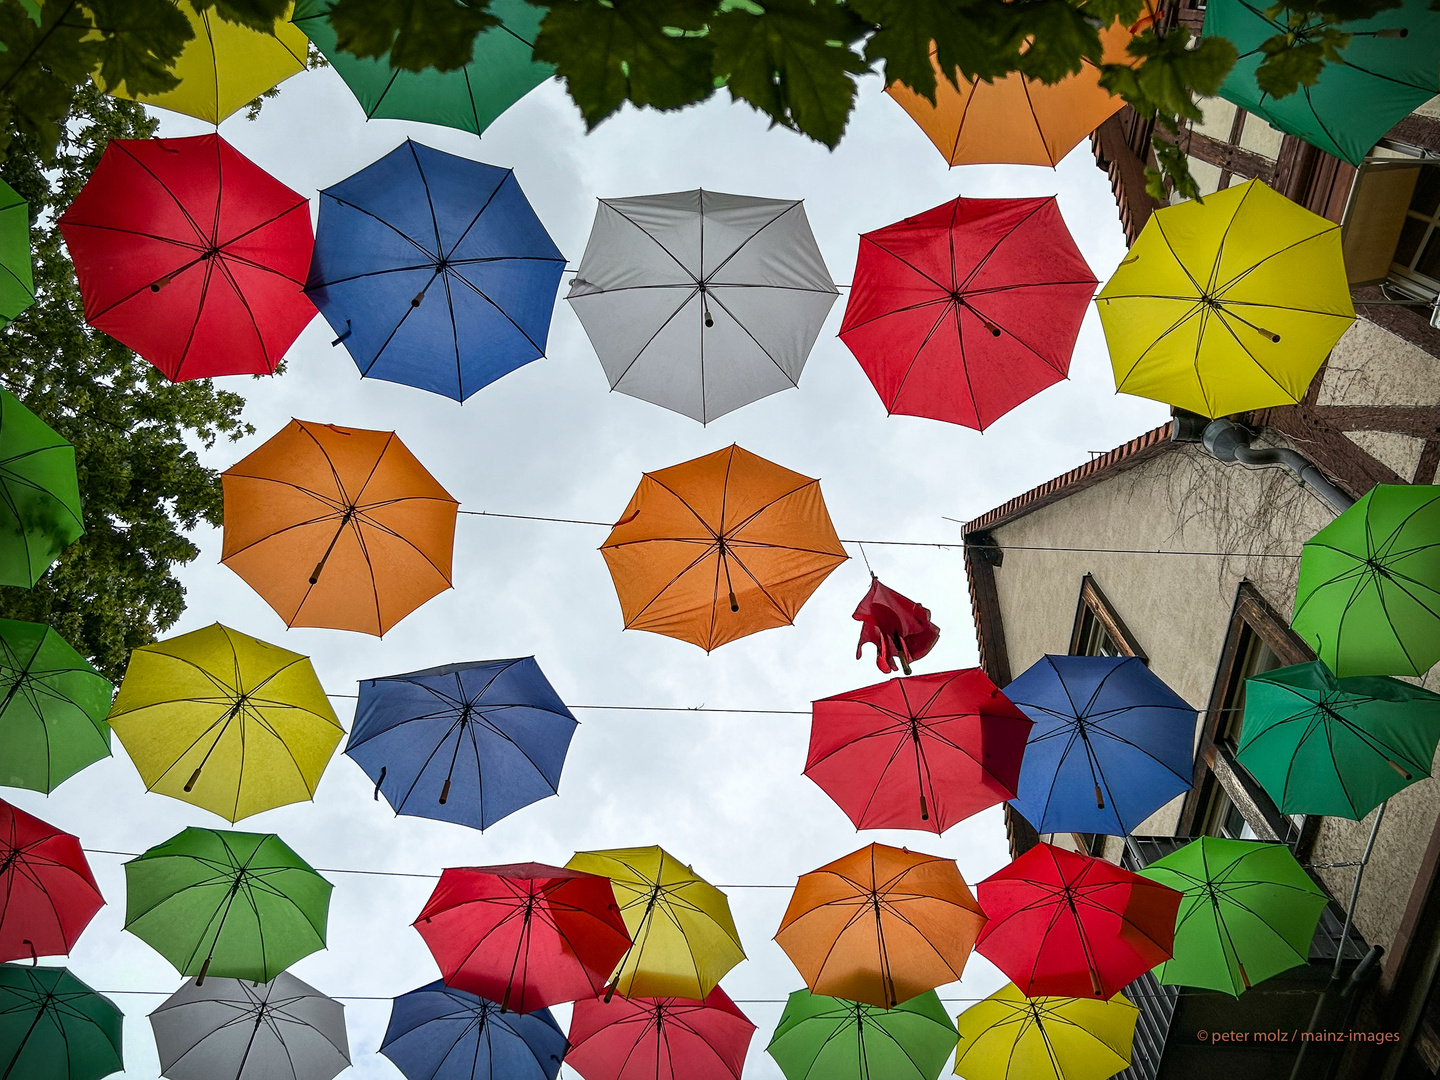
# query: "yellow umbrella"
x,y
1227,305
224,66
684,939
1011,1037
225,721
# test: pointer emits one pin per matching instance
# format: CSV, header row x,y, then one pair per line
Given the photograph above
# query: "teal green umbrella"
x,y
54,1027
1389,69
52,708
834,1039
17,281
233,904
501,71
39,494
1322,745
1368,601
1248,912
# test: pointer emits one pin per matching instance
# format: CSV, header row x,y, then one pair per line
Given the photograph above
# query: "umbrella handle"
x,y
445,792
1099,798
1095,984
378,782
1405,773
200,980
924,810
1243,977
610,991
34,957
734,604
190,784
343,336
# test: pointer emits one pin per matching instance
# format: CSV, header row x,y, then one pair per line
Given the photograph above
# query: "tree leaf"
x,y
257,14
1291,63
414,34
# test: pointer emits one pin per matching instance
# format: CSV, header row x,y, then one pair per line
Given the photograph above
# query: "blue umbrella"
x,y
439,1033
468,743
1110,746
434,271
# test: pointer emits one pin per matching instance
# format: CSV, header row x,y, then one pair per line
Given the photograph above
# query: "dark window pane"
x,y
1427,192
1095,640
1411,237
1429,261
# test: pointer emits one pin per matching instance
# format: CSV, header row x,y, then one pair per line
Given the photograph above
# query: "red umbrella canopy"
x,y
898,627
964,311
917,753
47,893
526,935
1064,924
659,1038
192,255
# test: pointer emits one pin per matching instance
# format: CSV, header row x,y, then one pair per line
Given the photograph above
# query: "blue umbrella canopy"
x,y
434,271
439,1033
1110,746
469,743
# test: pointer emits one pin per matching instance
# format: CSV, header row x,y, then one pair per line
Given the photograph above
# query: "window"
x,y
1417,255
1099,630
1253,656
1391,228
1224,818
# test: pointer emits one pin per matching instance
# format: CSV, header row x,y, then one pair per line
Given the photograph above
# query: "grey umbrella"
x,y
233,1029
699,301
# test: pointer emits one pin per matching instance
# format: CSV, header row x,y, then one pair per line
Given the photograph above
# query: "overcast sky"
x,y
725,794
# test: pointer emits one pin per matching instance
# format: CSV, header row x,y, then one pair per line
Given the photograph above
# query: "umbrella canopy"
x,y
684,938
52,708
241,903
702,302
726,545
849,1040
1110,746
39,495
659,1038
1390,68
917,753
1322,745
1064,924
224,67
192,255
1009,1036
1368,601
1249,911
17,278
440,1033
501,71
434,271
501,717
54,1027
898,627
225,721
964,311
47,893
231,1029
880,925
338,527
1227,305
526,936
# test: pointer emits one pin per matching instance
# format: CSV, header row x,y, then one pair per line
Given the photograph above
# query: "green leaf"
x,y
1059,36
1172,73
979,39
139,42
416,34
1291,63
256,14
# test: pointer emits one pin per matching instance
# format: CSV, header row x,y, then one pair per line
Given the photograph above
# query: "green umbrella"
x,y
52,708
1322,745
54,1027
1368,601
1248,912
826,1038
1390,68
39,494
240,905
17,282
501,71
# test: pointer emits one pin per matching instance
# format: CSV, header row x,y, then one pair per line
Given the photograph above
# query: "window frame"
x,y
1094,603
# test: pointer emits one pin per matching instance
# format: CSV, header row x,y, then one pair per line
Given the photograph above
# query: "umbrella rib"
x,y
626,217
694,292
980,263
1220,314
721,305
200,234
503,313
852,327
921,348
431,257
509,176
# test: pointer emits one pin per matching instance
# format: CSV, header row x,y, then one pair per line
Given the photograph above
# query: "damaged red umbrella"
x,y
898,627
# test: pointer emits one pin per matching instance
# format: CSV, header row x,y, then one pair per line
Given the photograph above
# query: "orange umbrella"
x,y
881,925
338,527
723,546
1016,120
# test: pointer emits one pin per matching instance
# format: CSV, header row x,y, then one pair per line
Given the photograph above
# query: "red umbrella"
x,y
191,255
527,935
966,310
917,753
47,893
659,1038
1064,924
898,627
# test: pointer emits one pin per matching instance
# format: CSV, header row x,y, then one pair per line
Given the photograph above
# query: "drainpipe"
x,y
1228,441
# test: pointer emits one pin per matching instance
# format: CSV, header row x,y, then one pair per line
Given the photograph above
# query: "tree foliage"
x,y
142,485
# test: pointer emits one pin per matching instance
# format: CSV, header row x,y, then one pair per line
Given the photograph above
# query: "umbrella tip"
x,y
190,784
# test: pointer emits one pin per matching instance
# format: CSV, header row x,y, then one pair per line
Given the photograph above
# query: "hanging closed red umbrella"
x,y
1063,924
898,627
964,311
659,1038
192,255
47,893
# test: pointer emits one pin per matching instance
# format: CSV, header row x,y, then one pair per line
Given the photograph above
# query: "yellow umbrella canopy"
x,y
1011,1037
225,721
1227,305
224,66
684,939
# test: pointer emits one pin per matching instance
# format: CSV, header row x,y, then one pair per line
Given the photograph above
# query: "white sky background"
x,y
723,793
